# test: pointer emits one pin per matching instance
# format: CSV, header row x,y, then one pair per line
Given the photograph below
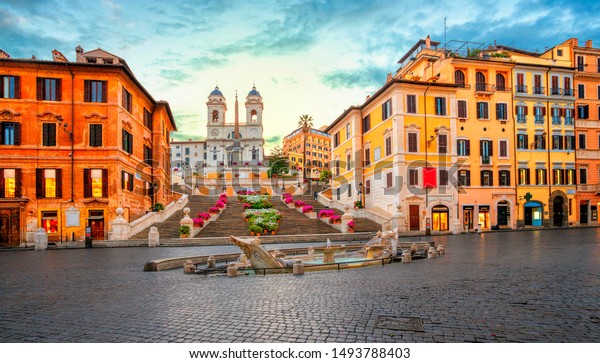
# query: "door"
x,y
502,215
583,212
558,212
414,218
96,223
9,227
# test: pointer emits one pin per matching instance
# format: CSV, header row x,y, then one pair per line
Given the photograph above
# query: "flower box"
x,y
335,219
307,209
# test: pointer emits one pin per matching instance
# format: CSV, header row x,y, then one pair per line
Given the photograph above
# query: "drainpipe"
x,y
548,145
427,229
71,135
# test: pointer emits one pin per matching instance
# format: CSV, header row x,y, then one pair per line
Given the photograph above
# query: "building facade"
x,y
308,152
79,139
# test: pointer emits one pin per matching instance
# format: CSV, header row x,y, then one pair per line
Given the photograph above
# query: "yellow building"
x,y
394,153
543,100
484,131
308,151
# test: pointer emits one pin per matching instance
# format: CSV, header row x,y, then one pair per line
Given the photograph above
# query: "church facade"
x,y
234,143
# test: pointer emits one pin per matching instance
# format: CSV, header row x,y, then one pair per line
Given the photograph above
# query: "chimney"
x,y
79,54
588,43
574,42
428,42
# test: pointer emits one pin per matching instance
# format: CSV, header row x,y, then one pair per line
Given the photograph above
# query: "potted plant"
x,y
158,207
358,205
198,222
307,208
351,226
335,219
184,231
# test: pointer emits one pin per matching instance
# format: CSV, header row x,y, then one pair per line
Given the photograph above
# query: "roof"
x,y
418,44
253,92
216,92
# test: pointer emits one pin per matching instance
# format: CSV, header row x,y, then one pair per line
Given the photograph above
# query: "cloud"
x,y
366,77
174,75
204,62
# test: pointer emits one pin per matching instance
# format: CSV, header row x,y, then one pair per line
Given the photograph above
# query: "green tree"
x,y
305,121
325,175
278,162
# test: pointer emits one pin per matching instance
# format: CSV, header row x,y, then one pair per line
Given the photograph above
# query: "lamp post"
x,y
360,194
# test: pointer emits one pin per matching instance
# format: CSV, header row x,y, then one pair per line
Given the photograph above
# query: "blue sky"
x,y
305,56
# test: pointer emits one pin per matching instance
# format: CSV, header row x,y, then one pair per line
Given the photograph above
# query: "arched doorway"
x,y
534,214
557,211
440,218
502,214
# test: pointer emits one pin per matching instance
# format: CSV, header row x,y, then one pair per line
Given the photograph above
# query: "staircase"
x,y
170,227
230,222
294,222
362,224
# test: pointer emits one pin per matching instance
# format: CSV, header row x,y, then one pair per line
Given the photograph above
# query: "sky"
x,y
304,56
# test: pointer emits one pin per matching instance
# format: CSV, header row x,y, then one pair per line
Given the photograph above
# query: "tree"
x,y
305,121
278,162
325,175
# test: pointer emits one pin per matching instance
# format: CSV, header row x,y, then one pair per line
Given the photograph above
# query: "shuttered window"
x,y
49,134
49,89
95,91
95,135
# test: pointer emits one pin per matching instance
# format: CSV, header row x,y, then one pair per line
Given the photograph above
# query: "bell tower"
x,y
216,107
254,108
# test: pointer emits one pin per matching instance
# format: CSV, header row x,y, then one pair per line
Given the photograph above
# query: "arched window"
x,y
253,116
231,135
214,152
479,81
215,116
500,82
254,153
459,78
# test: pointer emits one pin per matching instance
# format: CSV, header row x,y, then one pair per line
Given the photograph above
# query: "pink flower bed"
x,y
335,218
351,224
220,204
326,213
205,216
198,222
307,209
246,206
299,204
288,200
213,210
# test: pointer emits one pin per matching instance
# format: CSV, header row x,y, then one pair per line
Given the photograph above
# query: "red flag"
x,y
429,177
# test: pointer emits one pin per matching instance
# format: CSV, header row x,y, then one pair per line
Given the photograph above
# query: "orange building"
x,y
308,151
78,140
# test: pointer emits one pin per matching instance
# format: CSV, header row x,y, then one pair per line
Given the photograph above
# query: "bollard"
x,y
406,256
232,270
431,253
441,250
414,248
210,263
298,268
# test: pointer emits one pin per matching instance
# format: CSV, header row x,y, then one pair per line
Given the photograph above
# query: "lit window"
x,y
96,175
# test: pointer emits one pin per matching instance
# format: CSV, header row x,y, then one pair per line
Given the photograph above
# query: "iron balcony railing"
x,y
538,90
555,91
539,119
521,118
568,92
555,120
484,87
521,88
568,120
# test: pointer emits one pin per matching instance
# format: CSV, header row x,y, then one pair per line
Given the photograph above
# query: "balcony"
x,y
538,90
568,120
556,91
555,120
521,88
484,88
568,92
485,160
587,154
594,188
539,119
521,119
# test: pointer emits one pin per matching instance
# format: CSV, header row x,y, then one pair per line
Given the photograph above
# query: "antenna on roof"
x,y
445,28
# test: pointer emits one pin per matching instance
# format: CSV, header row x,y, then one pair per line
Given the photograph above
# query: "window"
x,y
95,183
464,178
10,87
482,111
48,183
580,63
127,142
540,142
480,82
559,52
500,82
412,142
582,112
539,113
555,90
126,181
254,153
95,135
582,141
569,142
389,180
187,151
147,154
463,147
440,106
459,78
571,177
126,100
442,144
522,141
503,148
349,190
336,169
521,87
540,176
557,176
336,139
348,162
386,110
504,178
521,112
487,178
413,177
411,104
94,91
556,114
582,176
568,112
10,183
215,116
377,154
388,146
148,119
580,91
537,84
523,176
49,134
348,131
10,133
462,109
567,85
502,111
485,151
443,176
368,187
367,157
366,123
557,142
49,89
50,221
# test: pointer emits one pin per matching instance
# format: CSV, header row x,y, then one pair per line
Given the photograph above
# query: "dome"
x,y
253,92
216,92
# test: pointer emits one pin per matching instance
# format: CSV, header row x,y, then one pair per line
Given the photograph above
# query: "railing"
x,y
555,120
149,219
463,85
568,120
502,88
568,92
484,87
521,118
485,160
555,91
538,90
539,119
521,88
588,187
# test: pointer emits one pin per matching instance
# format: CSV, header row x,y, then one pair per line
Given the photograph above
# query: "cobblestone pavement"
x,y
535,286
